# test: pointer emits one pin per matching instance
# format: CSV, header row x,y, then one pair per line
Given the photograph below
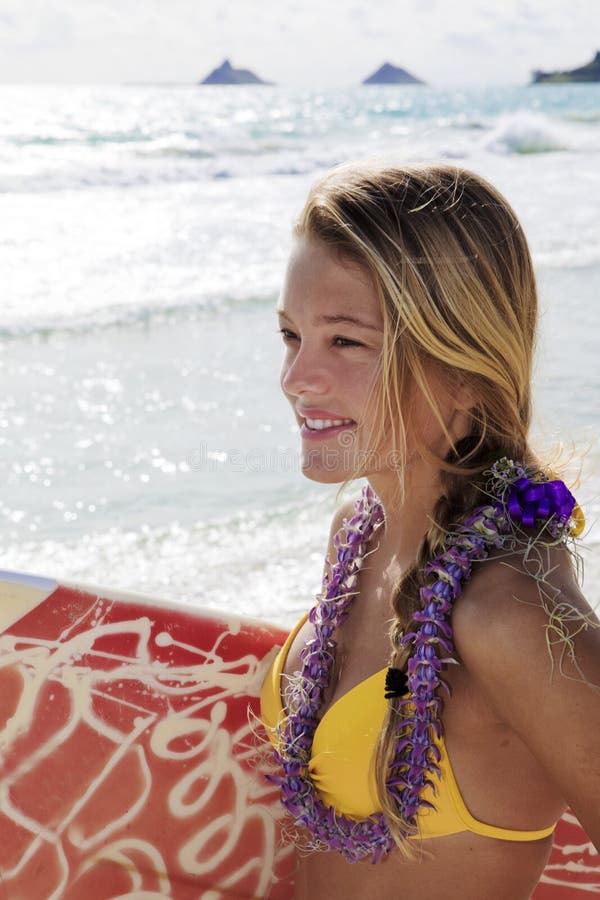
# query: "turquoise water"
x,y
143,240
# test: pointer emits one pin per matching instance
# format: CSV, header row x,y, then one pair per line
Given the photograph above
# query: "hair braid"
x,y
459,493
462,490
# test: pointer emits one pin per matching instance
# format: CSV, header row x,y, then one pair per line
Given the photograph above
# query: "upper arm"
x,y
551,699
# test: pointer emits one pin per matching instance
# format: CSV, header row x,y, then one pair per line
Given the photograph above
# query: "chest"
x,y
363,649
362,642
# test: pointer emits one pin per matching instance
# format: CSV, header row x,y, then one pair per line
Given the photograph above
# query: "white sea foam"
x,y
528,132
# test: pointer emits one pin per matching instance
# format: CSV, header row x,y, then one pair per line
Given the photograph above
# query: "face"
x,y
332,327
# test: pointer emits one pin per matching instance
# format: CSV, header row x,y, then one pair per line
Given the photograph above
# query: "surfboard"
x,y
128,761
130,765
573,870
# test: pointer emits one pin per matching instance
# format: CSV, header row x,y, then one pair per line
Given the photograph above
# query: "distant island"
x,y
589,72
226,74
389,74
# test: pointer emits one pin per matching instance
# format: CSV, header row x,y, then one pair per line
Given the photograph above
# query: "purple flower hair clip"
x,y
535,499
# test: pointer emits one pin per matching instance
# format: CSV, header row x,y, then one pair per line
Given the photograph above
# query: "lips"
x,y
314,413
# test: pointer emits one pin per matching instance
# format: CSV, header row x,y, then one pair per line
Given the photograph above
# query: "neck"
x,y
407,521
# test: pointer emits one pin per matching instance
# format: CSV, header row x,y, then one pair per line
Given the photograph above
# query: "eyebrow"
x,y
335,319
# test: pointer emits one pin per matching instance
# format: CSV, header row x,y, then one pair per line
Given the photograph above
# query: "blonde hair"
x,y
456,285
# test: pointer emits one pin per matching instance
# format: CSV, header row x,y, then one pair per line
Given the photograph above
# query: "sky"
x,y
316,43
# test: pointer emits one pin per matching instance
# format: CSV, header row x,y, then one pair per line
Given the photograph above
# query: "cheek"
x,y
286,364
426,428
421,417
367,408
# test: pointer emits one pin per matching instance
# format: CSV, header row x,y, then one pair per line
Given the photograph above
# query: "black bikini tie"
x,y
396,683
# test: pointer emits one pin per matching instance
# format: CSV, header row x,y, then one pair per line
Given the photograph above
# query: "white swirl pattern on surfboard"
x,y
573,861
218,754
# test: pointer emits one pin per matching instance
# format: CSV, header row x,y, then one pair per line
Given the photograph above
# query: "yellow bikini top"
x,y
340,766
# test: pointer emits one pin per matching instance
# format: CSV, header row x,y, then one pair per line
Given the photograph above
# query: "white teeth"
x,y
318,424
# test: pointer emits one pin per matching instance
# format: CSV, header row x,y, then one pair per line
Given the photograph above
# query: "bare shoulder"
x,y
530,643
522,607
344,511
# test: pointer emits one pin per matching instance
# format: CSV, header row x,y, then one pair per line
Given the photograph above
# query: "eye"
x,y
286,334
337,341
346,342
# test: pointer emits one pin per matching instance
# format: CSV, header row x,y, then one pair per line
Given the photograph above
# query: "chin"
x,y
324,476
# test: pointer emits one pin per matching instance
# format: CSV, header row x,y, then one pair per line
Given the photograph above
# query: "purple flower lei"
x,y
517,497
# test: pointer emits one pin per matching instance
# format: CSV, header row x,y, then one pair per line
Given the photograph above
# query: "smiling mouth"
x,y
322,424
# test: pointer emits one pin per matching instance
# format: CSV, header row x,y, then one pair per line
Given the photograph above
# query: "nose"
x,y
303,373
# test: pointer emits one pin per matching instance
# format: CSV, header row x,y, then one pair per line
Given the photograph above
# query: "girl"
x,y
408,314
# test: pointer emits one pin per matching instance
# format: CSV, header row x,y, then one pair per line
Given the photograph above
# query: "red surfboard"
x,y
573,870
129,762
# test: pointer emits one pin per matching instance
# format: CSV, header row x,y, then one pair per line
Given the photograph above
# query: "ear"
x,y
464,403
464,396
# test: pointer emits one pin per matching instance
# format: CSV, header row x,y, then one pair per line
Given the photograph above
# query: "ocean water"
x,y
144,443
